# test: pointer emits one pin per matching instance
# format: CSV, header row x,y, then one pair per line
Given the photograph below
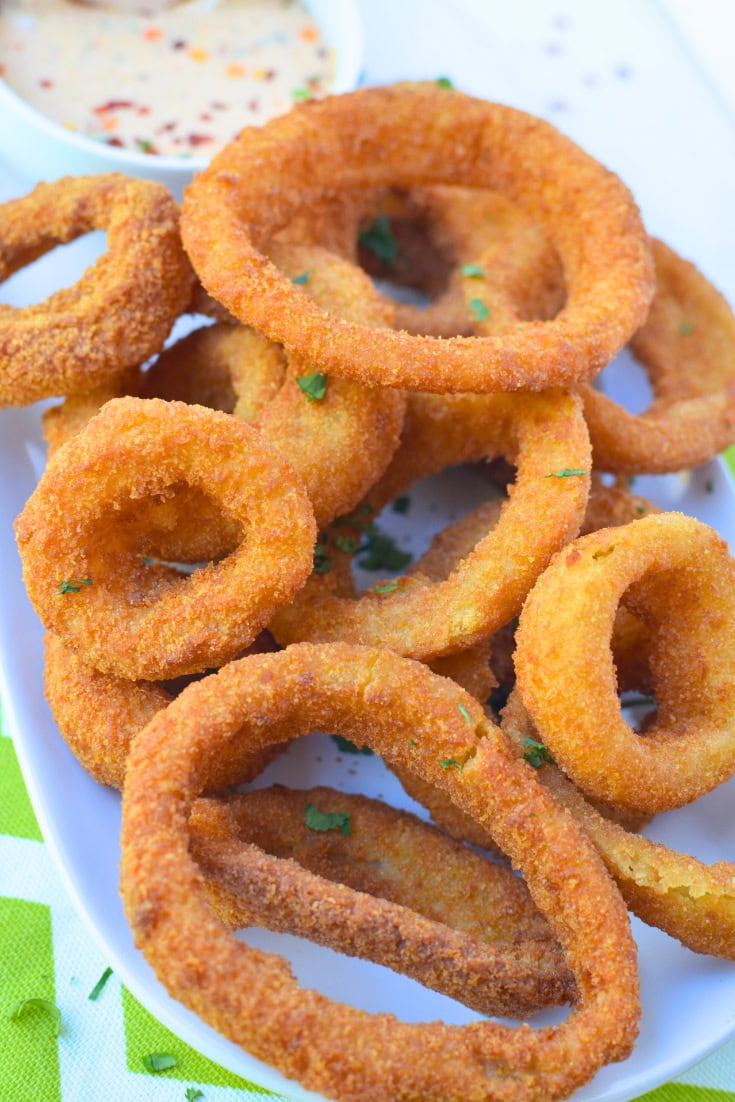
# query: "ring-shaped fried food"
x,y
119,313
677,575
406,713
546,437
405,135
99,715
94,588
401,894
687,347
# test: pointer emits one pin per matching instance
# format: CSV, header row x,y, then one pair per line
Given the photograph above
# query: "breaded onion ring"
x,y
400,894
687,347
92,587
121,310
677,575
99,715
406,713
404,135
545,435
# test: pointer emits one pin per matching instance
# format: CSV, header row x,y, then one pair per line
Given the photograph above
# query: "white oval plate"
x,y
688,1000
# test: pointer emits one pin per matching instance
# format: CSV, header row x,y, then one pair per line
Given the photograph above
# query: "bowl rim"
x,y
348,50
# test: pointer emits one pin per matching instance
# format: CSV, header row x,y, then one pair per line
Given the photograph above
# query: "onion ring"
x,y
406,713
678,576
687,346
545,435
419,134
121,310
136,619
400,894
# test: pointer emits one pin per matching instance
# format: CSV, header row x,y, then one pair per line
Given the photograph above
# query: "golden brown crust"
x,y
121,310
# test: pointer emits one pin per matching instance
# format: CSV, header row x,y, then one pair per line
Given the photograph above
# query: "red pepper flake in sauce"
x,y
45,83
152,34
113,105
114,141
179,44
199,139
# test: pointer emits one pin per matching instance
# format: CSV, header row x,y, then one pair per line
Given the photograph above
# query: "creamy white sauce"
x,y
181,81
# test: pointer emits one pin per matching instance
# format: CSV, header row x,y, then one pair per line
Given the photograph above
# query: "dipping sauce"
x,y
181,82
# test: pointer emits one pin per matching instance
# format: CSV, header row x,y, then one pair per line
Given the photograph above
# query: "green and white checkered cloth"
x,y
47,953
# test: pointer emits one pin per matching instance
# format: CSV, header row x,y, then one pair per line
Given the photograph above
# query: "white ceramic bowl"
x,y
40,149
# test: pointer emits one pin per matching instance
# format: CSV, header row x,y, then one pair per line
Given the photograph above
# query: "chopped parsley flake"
x,y
640,510
603,554
348,544
358,519
565,472
535,753
328,820
385,587
348,747
193,1094
314,386
444,82
301,93
74,585
159,1061
450,763
322,561
44,1005
97,989
686,328
473,271
379,551
465,714
402,504
301,279
380,240
478,309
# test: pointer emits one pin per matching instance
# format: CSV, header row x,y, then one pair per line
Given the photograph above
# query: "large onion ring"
x,y
419,134
678,576
121,310
408,714
136,619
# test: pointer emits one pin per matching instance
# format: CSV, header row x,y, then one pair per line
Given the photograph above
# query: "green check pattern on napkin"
x,y
47,953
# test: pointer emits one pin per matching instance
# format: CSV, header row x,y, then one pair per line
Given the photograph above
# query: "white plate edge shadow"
x,y
56,782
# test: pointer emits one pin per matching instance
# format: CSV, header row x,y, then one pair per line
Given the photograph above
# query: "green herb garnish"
x,y
536,753
603,554
686,328
379,551
348,544
478,309
444,82
301,279
159,1061
450,763
473,271
323,563
97,989
385,587
380,240
74,585
193,1094
301,93
358,519
348,747
565,472
328,820
44,1005
314,386
465,714
402,504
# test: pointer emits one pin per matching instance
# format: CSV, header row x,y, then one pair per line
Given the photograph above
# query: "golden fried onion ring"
x,y
404,135
677,575
94,589
406,713
121,310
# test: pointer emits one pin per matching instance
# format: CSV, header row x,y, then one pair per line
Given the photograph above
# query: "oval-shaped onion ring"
x,y
401,136
91,585
678,576
121,310
406,713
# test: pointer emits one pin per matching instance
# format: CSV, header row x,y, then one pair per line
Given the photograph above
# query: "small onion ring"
x,y
144,621
401,136
121,310
677,575
406,713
